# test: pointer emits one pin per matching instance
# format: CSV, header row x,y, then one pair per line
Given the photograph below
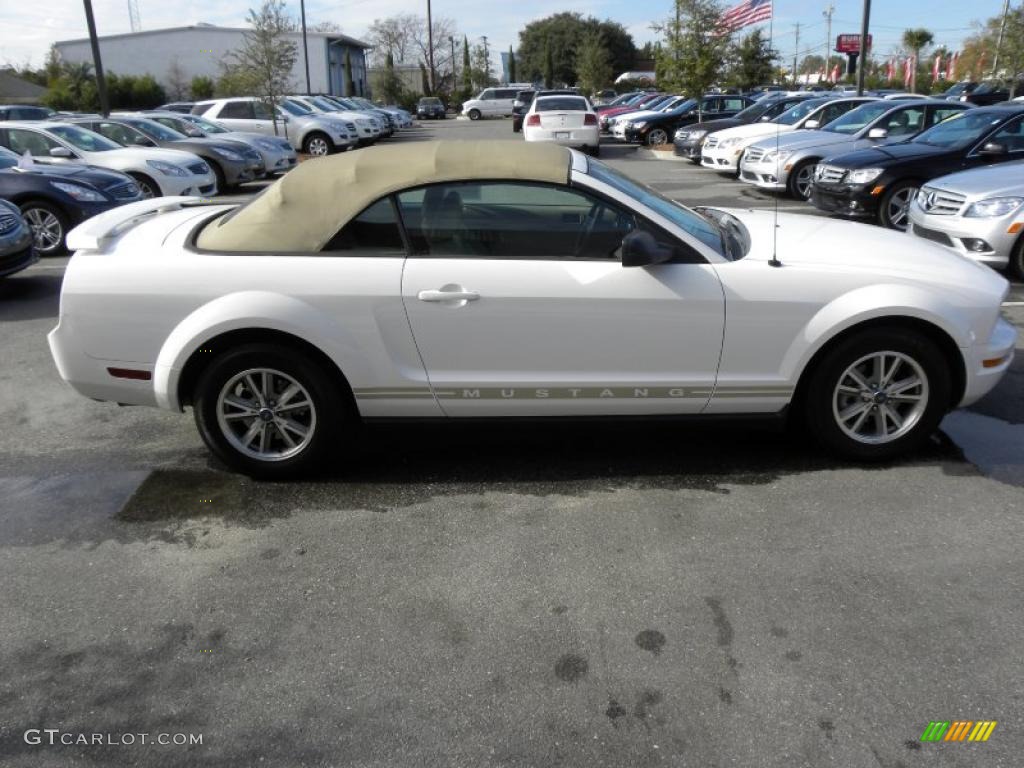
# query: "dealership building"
x,y
181,53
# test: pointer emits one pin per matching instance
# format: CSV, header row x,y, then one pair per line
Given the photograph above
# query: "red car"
x,y
642,103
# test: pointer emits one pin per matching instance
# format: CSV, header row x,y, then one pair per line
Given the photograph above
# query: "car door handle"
x,y
448,295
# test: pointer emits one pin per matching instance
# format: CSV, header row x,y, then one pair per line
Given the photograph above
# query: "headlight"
x,y
167,169
776,157
863,175
267,144
335,126
79,192
696,135
994,206
228,154
641,125
730,142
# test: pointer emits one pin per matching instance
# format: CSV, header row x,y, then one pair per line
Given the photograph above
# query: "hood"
x,y
714,126
132,155
1002,180
890,153
205,142
819,241
84,174
754,130
805,138
643,114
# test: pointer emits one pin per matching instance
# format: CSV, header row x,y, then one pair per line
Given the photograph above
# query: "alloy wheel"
x,y
657,137
880,397
804,177
317,146
266,414
47,232
897,208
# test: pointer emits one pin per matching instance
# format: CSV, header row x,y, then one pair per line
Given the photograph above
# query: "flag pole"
x,y
771,28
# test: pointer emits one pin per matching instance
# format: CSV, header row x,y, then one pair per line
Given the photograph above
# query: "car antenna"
x,y
774,260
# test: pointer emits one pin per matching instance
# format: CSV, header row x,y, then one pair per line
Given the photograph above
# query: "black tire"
x,y
739,162
822,400
595,151
328,408
218,172
317,144
793,182
474,114
38,212
660,134
1016,266
695,160
885,216
149,187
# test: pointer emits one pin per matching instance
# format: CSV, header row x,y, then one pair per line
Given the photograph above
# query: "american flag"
x,y
746,13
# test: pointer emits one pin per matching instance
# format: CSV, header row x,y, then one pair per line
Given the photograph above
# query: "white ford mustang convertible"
x,y
465,279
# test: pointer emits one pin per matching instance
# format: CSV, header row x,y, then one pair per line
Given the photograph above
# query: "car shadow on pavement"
x,y
30,296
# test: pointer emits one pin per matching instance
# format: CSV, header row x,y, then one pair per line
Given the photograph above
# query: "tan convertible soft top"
x,y
302,211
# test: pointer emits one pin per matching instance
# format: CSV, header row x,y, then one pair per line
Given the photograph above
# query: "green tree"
x,y
481,67
915,41
391,83
266,57
753,61
511,65
467,70
424,80
593,64
73,89
201,87
549,68
693,51
560,36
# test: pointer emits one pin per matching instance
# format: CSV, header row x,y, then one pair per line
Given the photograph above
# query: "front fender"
x,y
250,310
872,303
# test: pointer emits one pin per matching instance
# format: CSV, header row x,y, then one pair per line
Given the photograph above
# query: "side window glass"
x,y
374,232
36,144
260,110
116,133
236,110
906,122
488,94
941,113
733,105
1010,136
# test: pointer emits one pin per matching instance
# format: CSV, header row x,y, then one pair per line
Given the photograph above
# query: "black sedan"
x,y
16,251
430,108
657,130
55,198
881,182
688,140
232,162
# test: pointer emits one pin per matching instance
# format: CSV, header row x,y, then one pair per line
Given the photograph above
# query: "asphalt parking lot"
x,y
591,595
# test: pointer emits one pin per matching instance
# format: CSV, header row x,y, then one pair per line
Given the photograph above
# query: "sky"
x,y
27,29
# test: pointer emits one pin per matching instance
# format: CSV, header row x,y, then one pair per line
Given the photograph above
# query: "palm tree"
x,y
916,40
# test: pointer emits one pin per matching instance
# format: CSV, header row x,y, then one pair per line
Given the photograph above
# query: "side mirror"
x,y
60,152
812,124
992,149
878,133
640,249
765,119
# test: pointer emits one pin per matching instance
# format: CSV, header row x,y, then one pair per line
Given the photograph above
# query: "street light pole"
x,y
305,48
828,40
796,51
101,81
430,47
451,39
862,59
999,45
487,62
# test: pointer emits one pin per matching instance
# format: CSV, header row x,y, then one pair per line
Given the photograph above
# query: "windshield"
x,y
7,158
206,125
961,130
155,130
436,102
677,213
988,87
794,114
754,111
323,104
682,105
295,108
859,118
87,141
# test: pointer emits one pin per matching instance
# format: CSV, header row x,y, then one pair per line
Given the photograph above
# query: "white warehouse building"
x,y
199,50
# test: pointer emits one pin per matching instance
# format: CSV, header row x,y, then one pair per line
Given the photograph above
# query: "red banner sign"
x,y
850,43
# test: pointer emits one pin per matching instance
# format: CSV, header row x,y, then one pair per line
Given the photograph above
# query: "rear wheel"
x,y
269,412
317,144
147,186
49,226
894,210
878,394
799,183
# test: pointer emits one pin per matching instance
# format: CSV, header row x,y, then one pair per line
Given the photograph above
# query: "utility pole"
x,y
97,62
305,47
796,51
827,13
430,47
999,45
862,58
487,62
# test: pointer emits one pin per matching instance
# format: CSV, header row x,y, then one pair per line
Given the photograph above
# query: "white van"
x,y
492,102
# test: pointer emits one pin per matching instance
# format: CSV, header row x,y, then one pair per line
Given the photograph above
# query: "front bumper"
x,y
689,148
18,254
771,175
278,161
193,185
636,135
238,172
721,158
957,234
844,200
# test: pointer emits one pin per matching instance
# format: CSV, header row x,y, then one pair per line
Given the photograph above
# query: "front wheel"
x,y
474,114
147,186
894,209
878,394
317,145
1016,265
799,183
657,137
269,412
49,226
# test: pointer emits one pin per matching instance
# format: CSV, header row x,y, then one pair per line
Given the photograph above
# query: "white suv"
x,y
492,102
312,134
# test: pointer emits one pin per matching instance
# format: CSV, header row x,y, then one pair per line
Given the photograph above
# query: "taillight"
x,y
533,119
590,119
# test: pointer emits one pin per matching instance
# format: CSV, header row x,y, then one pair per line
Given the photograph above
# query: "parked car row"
x,y
885,161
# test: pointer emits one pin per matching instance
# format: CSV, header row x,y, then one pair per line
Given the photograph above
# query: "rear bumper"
x,y
571,137
90,376
1001,346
